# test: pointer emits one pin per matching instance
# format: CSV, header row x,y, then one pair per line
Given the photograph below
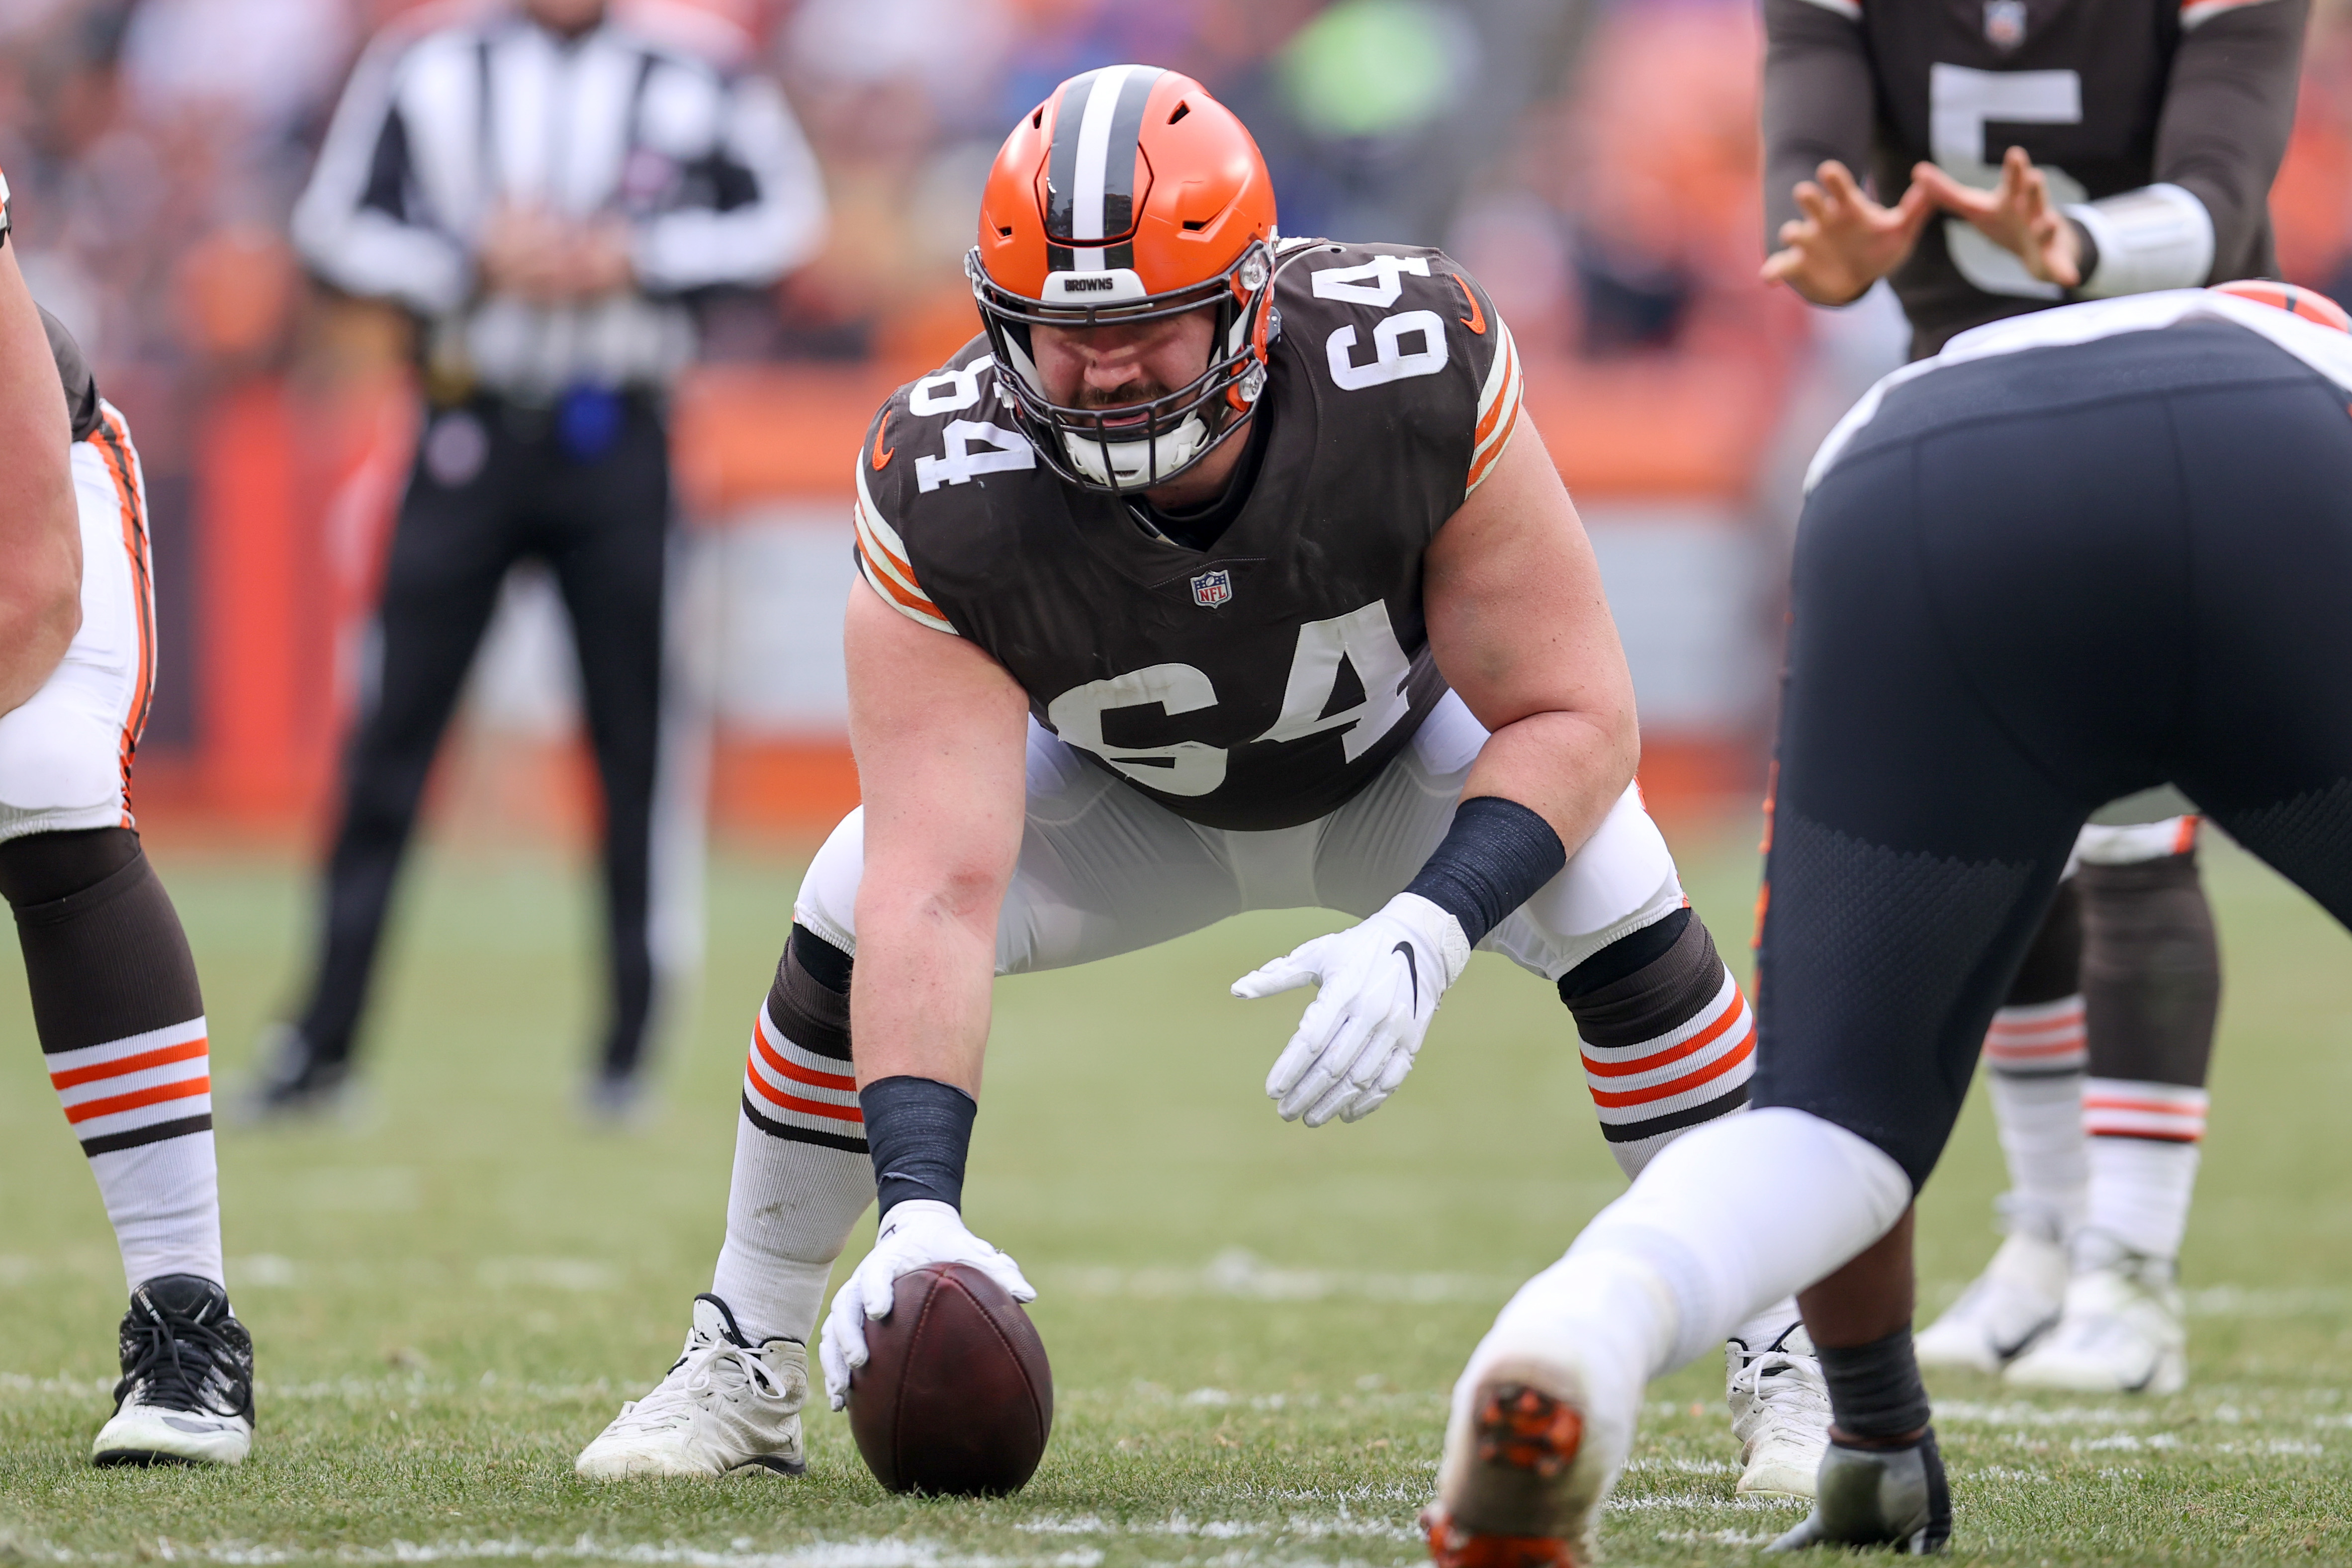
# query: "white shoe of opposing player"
x,y
2012,1304
1536,1440
1780,1414
2122,1332
727,1406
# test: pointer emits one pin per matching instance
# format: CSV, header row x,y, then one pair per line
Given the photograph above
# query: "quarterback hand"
x,y
1845,242
1380,982
916,1233
2016,215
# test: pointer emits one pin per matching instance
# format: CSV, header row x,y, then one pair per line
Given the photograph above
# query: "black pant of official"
x,y
496,484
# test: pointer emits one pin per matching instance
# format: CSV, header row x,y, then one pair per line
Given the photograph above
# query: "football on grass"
x,y
955,1397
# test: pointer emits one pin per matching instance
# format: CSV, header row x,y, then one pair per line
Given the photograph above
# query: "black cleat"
x,y
1879,1496
186,1393
294,1079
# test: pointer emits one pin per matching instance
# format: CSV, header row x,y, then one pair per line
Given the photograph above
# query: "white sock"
x,y
164,1201
1722,1245
2036,1056
2146,1139
143,1108
802,1177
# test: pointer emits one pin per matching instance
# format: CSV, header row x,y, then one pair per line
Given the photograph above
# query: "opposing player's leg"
x,y
1918,836
2152,982
1667,1041
450,550
2034,1061
1102,870
115,1002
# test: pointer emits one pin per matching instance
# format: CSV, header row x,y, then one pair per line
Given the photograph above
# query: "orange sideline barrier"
x,y
745,433
1655,428
262,675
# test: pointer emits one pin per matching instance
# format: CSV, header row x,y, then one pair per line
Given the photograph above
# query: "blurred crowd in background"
x,y
1595,163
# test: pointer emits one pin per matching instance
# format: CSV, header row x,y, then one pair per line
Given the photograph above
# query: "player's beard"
x,y
1131,400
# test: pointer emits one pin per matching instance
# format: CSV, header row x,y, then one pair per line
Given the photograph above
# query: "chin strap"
x,y
1136,465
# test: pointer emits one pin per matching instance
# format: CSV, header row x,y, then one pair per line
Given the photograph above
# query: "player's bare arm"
x,y
40,532
938,727
2016,215
1521,628
1844,241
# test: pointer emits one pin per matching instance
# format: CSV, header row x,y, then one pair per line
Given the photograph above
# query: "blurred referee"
x,y
546,193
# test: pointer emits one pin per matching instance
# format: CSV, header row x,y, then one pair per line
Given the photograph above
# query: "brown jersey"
x,y
2106,96
73,373
1260,683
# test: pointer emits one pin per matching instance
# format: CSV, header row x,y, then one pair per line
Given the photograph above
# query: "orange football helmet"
x,y
2305,303
1129,194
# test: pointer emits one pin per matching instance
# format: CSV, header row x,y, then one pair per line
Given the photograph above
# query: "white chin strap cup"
x,y
1132,465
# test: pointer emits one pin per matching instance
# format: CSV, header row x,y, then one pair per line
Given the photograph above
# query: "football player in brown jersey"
x,y
2029,151
1222,571
115,1002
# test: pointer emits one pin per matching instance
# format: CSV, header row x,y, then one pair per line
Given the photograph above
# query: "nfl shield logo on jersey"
x,y
1212,588
2004,23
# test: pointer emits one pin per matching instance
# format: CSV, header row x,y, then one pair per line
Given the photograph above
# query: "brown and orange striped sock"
x,y
122,1025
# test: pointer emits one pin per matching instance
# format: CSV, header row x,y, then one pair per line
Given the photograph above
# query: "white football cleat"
x,y
2122,1332
727,1406
2012,1304
186,1393
1780,1414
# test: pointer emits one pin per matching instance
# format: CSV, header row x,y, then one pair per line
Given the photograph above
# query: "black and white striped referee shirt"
x,y
439,127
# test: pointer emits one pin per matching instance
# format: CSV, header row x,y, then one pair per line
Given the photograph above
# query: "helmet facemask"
x,y
1141,445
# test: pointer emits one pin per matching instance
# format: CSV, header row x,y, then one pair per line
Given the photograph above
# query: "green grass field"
x,y
1252,1325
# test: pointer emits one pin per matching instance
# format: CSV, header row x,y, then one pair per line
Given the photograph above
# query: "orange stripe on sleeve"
x,y
883,581
1510,368
1478,469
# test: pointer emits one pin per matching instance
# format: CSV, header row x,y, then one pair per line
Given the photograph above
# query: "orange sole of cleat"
x,y
1527,1431
1452,1548
1519,1429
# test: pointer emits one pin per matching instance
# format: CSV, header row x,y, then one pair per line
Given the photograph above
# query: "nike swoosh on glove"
x,y
915,1234
1379,985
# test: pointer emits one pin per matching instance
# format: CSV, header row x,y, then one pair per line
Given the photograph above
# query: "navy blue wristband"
x,y
1494,856
920,1132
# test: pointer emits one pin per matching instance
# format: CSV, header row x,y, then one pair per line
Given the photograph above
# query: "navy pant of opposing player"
x,y
2065,576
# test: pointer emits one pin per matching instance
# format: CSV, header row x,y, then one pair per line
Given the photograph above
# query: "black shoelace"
x,y
178,1356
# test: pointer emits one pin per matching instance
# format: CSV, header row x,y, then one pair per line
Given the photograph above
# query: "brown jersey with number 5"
x,y
1260,683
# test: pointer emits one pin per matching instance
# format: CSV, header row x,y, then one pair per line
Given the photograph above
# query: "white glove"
x,y
916,1233
1380,982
